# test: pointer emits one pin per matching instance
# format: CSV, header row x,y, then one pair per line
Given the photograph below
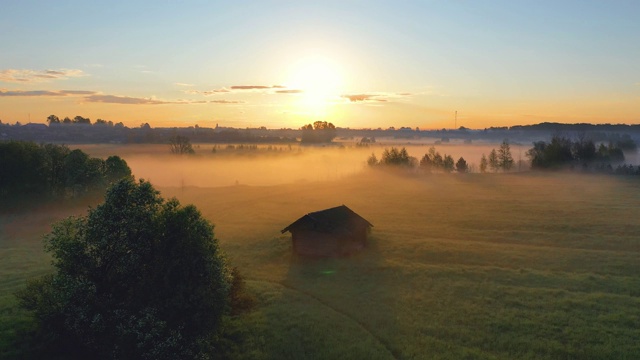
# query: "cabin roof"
x,y
335,219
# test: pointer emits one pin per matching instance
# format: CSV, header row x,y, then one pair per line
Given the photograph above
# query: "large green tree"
x,y
139,277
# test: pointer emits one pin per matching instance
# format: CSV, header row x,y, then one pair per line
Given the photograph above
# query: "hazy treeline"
x,y
560,152
431,161
434,161
54,170
564,152
81,129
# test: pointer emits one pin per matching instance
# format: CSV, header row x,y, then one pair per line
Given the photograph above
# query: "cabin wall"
x,y
308,242
314,243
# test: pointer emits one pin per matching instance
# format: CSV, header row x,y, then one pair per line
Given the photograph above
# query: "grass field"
x,y
482,266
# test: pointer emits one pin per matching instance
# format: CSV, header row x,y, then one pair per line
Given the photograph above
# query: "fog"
x,y
273,164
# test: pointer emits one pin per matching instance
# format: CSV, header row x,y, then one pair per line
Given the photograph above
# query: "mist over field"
x,y
524,264
276,164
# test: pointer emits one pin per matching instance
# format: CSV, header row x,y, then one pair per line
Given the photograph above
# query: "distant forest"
x,y
81,130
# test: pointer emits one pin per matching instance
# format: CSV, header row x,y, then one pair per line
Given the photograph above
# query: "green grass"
x,y
528,266
22,258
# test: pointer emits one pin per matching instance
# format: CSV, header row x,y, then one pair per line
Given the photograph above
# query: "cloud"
x,y
96,97
126,100
45,92
275,89
257,87
363,97
289,91
249,87
77,92
114,99
225,102
33,76
29,93
208,92
184,84
374,97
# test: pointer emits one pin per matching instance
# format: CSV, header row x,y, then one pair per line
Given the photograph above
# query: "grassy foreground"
x,y
479,266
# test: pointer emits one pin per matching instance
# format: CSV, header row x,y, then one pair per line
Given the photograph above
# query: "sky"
x,y
357,64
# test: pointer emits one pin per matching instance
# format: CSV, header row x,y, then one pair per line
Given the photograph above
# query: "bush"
x,y
137,278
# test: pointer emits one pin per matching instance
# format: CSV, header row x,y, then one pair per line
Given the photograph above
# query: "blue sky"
x,y
355,63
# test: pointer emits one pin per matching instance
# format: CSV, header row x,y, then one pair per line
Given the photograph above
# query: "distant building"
x,y
336,231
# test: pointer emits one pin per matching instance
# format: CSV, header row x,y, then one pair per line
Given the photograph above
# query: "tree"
x,y
447,163
426,163
319,132
52,119
505,160
461,165
372,160
483,164
431,160
137,278
116,168
180,145
83,173
81,120
437,160
610,154
395,157
494,165
584,151
558,153
54,174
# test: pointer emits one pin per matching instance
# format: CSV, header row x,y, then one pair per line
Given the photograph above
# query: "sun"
x,y
320,81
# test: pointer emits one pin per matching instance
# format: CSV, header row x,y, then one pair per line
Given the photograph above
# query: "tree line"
x,y
562,152
52,170
433,161
559,153
497,160
54,120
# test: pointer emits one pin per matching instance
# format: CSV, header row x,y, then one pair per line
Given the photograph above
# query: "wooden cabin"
x,y
337,231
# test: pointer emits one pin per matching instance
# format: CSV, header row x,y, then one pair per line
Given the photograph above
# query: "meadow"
x,y
460,266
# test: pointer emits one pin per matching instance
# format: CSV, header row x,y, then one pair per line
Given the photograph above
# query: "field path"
x,y
360,324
